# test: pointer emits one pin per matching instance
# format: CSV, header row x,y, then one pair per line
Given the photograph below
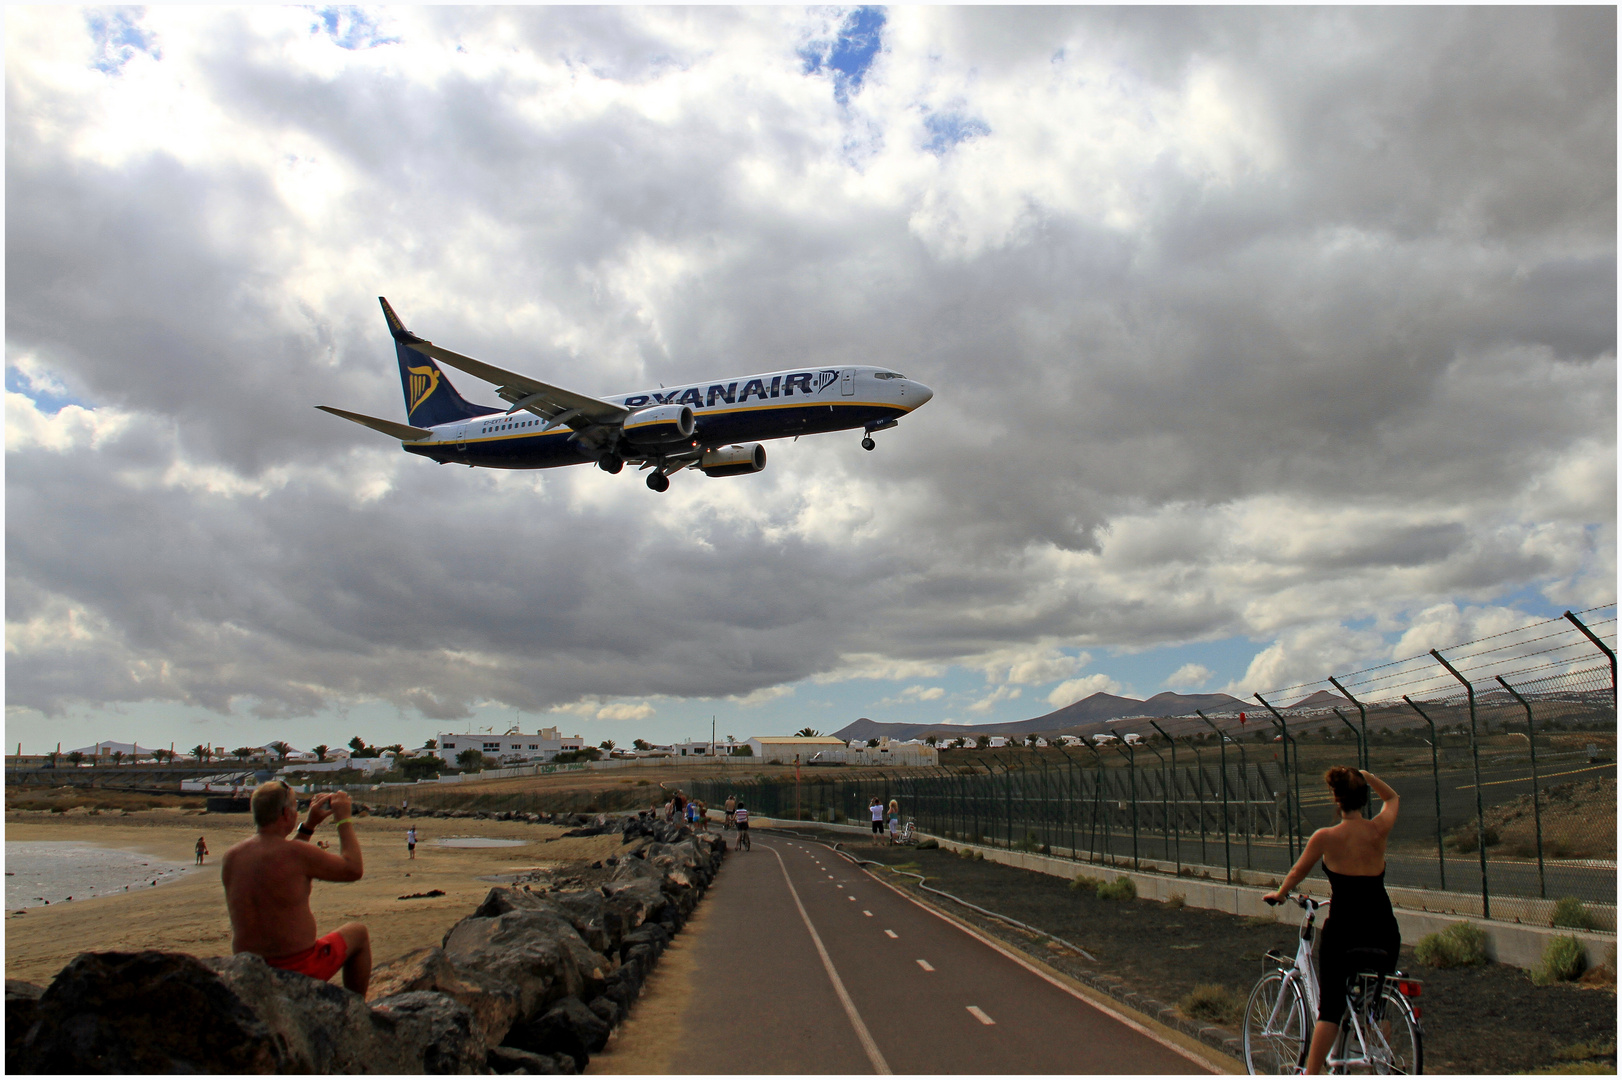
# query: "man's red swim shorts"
x,y
320,961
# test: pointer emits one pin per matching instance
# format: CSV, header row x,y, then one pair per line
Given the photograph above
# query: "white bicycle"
x,y
1379,1032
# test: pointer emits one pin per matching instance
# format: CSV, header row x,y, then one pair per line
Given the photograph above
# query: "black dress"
x,y
1360,917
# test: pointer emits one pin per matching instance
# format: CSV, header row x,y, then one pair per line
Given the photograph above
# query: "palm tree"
x,y
642,744
607,744
75,757
280,749
930,740
872,743
321,751
200,752
808,733
118,757
431,744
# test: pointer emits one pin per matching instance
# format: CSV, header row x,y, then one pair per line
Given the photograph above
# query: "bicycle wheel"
x,y
1395,1044
1276,1032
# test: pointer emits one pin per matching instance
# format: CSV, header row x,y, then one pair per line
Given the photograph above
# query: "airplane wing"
x,y
403,432
544,400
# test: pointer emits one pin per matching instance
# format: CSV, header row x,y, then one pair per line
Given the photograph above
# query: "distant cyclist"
x,y
741,816
732,808
1360,915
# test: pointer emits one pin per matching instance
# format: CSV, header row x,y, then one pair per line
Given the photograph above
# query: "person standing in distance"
x,y
267,888
411,842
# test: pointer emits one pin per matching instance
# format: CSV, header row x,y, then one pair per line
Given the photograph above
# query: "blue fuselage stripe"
x,y
516,449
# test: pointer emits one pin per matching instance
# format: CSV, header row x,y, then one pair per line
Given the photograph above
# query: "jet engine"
x,y
661,424
733,460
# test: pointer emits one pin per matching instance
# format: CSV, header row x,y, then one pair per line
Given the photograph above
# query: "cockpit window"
x,y
887,375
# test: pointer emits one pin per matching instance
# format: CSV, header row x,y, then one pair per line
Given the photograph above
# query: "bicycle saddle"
x,y
1377,960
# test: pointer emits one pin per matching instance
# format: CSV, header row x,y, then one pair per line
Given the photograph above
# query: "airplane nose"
x,y
924,393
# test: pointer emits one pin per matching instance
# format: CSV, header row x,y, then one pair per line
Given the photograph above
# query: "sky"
x,y
1264,342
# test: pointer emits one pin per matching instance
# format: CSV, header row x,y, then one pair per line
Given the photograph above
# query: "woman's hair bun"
x,y
1351,790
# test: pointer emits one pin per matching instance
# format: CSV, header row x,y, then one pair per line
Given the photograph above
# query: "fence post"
x,y
1436,789
1362,754
1098,784
1070,798
1199,797
1532,749
1178,856
1227,847
1609,655
1291,807
1250,805
1475,759
1132,775
1363,718
1165,806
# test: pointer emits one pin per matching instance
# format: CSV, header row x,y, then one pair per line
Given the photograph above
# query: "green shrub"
x,y
1085,884
1460,945
1463,839
1119,889
929,843
1569,911
1563,960
1176,901
1209,1001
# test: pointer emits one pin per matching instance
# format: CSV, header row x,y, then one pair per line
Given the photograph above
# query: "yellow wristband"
x,y
345,821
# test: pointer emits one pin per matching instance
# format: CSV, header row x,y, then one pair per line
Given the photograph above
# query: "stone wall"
x,y
532,981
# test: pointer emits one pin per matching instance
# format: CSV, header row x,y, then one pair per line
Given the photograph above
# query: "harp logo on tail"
x,y
424,381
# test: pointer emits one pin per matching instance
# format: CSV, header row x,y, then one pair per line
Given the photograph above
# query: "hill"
x,y
1084,717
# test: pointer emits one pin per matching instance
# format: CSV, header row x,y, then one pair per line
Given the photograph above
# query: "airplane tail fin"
x,y
429,396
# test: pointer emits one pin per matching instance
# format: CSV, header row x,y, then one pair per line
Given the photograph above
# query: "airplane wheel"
x,y
658,482
868,443
611,464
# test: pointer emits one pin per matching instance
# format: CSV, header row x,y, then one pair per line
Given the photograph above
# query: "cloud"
x,y
1242,323
1074,690
923,693
625,711
1191,676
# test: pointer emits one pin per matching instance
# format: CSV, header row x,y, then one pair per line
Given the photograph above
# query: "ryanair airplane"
x,y
712,426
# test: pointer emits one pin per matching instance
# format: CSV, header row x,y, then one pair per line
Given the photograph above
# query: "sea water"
x,y
41,870
478,841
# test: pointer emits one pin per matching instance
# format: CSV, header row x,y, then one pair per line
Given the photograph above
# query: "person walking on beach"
x,y
411,842
201,849
267,888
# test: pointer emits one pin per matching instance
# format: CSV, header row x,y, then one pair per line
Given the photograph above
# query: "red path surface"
x,y
908,992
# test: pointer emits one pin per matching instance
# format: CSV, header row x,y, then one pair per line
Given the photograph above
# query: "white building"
x,y
787,749
512,746
362,764
998,741
1070,740
831,751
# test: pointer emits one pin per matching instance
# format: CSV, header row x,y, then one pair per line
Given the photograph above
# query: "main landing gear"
x,y
611,464
658,481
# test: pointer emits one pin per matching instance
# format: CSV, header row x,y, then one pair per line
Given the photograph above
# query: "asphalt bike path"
x,y
818,968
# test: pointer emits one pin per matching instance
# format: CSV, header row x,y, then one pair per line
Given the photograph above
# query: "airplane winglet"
x,y
396,327
403,432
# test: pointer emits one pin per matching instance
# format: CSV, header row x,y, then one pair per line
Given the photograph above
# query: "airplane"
x,y
714,427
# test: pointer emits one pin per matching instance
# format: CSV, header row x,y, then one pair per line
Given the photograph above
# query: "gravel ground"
x,y
1488,1019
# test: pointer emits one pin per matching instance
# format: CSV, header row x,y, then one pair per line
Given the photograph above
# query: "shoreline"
x,y
65,861
188,915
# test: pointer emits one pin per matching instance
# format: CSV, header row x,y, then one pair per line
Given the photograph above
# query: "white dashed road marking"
x,y
925,965
976,1012
869,914
890,933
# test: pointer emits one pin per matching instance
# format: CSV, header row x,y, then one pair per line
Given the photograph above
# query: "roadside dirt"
x,y
1488,1019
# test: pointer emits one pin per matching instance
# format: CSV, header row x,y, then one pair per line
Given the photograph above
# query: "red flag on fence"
x,y
1241,718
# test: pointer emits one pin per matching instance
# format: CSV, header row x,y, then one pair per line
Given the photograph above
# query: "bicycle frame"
x,y
1304,972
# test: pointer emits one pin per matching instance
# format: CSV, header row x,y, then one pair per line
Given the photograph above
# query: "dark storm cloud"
x,y
1402,312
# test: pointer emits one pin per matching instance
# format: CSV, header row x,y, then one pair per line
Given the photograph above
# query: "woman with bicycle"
x,y
1353,854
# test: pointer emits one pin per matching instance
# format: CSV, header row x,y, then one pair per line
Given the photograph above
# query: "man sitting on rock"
x,y
267,888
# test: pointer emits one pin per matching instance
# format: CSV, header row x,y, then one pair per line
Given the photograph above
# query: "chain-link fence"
x,y
1510,739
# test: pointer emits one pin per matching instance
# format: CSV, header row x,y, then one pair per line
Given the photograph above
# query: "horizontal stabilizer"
x,y
403,432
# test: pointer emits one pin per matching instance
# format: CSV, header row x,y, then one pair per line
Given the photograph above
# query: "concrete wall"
x,y
1513,943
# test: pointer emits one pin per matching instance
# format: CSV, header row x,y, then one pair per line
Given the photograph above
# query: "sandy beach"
x,y
189,915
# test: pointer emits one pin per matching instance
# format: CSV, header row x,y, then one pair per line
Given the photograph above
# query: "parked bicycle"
x,y
1380,1032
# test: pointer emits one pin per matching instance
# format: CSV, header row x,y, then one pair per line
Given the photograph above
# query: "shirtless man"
x,y
267,888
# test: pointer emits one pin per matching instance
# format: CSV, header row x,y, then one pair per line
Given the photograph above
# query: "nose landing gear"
x,y
868,443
